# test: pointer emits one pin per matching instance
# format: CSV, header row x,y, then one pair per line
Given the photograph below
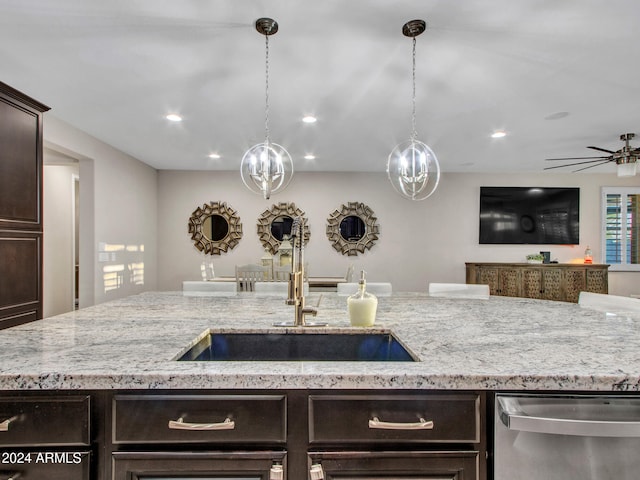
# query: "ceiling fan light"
x,y
627,169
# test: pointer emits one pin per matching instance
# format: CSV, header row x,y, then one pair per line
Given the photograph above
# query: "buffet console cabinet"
x,y
252,435
552,281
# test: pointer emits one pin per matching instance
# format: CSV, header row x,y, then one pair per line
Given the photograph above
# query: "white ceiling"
x,y
115,68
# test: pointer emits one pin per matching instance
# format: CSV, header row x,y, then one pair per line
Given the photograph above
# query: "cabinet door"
x,y
489,276
440,465
532,283
241,465
552,284
574,283
597,281
509,282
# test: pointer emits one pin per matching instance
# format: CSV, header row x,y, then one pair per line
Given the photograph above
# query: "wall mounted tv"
x,y
529,215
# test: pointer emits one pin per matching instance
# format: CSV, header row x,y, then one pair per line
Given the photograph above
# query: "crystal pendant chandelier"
x,y
267,167
412,167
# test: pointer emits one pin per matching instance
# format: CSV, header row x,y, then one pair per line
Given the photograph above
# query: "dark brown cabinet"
x,y
417,436
555,281
20,207
248,435
297,434
203,436
45,437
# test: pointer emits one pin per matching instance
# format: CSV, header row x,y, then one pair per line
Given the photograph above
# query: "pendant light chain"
x,y
414,132
266,89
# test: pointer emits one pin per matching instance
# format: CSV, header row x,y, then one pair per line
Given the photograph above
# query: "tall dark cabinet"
x,y
20,207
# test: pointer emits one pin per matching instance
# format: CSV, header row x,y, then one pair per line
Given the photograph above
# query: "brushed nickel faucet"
x,y
296,281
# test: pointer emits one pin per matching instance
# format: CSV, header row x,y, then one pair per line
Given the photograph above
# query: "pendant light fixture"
x,y
412,167
267,167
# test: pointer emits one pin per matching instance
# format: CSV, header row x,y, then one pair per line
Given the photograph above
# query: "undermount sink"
x,y
303,346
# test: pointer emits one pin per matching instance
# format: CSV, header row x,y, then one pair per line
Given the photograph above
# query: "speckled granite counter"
x,y
500,343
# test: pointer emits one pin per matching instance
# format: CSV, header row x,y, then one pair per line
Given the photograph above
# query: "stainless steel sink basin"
x,y
288,346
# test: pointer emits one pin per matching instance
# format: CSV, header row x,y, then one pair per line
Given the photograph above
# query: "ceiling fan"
x,y
626,158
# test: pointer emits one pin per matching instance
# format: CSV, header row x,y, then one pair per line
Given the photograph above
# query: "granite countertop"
x,y
496,344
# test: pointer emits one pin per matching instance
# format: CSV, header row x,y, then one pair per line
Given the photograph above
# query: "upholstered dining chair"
x,y
248,275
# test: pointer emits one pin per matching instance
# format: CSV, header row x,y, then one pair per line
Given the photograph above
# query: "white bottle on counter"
x,y
362,305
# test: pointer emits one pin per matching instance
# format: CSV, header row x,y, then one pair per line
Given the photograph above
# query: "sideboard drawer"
x,y
342,419
42,421
228,419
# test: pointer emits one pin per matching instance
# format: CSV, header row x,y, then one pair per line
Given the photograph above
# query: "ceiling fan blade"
x,y
602,149
575,158
590,166
580,163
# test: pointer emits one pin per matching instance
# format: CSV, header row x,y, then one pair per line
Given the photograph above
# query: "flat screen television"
x,y
530,215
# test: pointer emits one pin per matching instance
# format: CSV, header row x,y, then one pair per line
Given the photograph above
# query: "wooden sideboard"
x,y
552,281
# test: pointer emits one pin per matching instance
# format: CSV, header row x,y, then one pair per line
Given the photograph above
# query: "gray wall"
x,y
118,217
420,242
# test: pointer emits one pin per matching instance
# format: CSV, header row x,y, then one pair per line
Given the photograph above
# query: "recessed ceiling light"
x,y
309,119
499,134
309,156
215,156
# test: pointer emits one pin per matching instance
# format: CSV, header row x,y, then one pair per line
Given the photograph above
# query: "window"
x,y
621,227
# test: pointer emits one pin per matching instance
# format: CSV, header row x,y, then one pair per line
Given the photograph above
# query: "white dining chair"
x,y
609,303
380,289
459,290
248,275
281,274
199,288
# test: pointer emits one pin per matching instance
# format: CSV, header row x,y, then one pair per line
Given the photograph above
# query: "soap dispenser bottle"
x,y
362,305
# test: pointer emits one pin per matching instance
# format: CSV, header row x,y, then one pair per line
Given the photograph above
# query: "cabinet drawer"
x,y
41,421
342,419
50,465
239,465
207,419
410,465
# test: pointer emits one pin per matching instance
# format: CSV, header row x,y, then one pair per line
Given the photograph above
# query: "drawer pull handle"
x,y
4,426
421,425
180,424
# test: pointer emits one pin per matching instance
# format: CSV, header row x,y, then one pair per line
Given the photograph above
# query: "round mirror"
x,y
352,228
215,227
274,225
281,226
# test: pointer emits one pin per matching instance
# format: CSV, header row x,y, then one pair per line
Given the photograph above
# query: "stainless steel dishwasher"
x,y
553,437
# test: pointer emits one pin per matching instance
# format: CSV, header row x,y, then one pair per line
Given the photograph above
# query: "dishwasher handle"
x,y
514,418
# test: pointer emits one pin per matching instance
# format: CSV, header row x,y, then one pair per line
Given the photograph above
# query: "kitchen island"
x,y
495,344
102,386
